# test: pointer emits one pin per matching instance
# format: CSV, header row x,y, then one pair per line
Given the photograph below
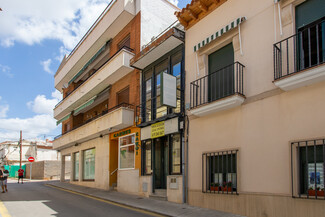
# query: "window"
x,y
176,154
123,96
219,170
147,157
89,164
308,174
127,157
310,24
125,42
148,99
76,166
176,71
221,73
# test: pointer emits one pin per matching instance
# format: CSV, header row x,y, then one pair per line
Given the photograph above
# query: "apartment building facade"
x,y
254,96
100,93
161,114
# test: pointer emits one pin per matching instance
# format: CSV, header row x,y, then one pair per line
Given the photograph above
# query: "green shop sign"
x,y
122,133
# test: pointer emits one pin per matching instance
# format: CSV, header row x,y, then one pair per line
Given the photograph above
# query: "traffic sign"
x,y
31,159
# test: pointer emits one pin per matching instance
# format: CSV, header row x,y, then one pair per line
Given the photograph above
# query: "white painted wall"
x,y
156,16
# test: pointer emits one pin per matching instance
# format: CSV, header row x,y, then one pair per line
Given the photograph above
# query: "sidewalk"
x,y
156,206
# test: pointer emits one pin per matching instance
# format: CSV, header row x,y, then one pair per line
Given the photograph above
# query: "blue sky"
x,y
34,37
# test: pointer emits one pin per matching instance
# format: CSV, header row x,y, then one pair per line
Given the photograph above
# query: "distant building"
x,y
40,150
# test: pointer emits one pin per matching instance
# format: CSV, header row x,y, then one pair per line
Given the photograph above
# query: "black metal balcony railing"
x,y
301,51
217,85
122,48
122,105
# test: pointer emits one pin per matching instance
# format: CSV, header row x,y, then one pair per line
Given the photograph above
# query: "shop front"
x,y
162,160
125,160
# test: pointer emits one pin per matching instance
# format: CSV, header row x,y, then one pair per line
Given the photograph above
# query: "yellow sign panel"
x,y
158,130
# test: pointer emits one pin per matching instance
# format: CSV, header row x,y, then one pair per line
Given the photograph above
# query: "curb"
x,y
108,200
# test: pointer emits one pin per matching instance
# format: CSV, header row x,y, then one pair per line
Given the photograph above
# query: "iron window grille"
x,y
308,169
219,172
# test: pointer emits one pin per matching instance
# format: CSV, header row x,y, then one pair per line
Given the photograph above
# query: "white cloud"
x,y
42,105
3,110
46,66
33,127
175,2
33,21
6,70
57,95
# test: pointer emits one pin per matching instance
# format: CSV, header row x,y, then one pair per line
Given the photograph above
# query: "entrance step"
x,y
160,194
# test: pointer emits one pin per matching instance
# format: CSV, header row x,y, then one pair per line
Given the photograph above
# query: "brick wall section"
x,y
132,80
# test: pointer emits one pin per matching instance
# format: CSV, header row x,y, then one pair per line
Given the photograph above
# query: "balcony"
x,y
109,121
113,19
113,70
218,91
300,59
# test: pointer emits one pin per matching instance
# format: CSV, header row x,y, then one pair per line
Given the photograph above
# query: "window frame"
x,y
206,171
128,145
171,171
169,57
83,164
296,167
74,162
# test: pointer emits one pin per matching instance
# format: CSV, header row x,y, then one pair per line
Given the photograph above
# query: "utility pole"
x,y
20,144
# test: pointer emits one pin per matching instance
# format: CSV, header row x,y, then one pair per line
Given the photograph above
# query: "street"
x,y
36,199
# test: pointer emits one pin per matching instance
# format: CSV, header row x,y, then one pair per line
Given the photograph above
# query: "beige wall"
x,y
145,181
263,126
175,190
101,162
128,181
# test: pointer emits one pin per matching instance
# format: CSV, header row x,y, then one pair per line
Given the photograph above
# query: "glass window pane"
x,y
76,166
127,157
148,100
148,169
308,177
89,164
127,152
127,140
176,154
161,110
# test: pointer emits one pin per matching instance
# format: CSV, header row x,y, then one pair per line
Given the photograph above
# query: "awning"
x,y
63,119
222,31
86,104
101,50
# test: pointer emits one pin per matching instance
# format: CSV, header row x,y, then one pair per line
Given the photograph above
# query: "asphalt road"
x,y
35,199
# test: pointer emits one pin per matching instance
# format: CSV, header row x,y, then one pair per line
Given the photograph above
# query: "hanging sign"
x,y
168,90
158,129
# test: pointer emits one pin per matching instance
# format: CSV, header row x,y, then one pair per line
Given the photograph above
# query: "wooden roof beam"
x,y
192,14
203,6
183,22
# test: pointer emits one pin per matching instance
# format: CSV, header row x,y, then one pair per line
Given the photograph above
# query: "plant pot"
x,y
227,189
313,193
214,188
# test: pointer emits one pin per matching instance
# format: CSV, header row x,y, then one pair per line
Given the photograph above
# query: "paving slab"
x,y
157,206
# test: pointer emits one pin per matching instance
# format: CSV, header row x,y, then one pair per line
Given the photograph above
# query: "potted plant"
x,y
312,192
214,186
227,186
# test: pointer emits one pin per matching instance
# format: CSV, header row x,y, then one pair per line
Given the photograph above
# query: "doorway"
x,y
161,162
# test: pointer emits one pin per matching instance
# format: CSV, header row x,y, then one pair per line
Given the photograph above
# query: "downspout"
x,y
280,21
